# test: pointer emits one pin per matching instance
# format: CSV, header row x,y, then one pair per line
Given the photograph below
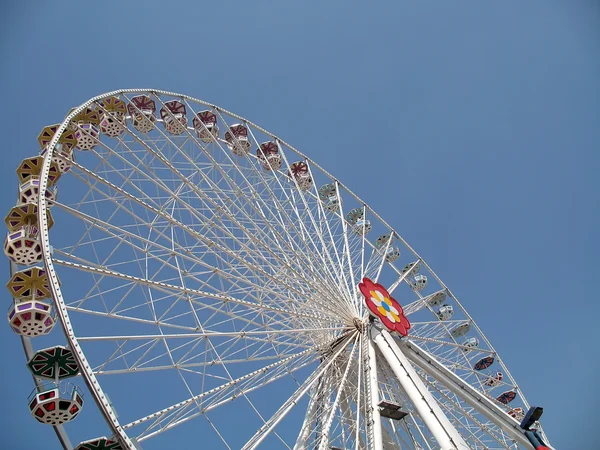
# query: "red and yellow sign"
x,y
383,305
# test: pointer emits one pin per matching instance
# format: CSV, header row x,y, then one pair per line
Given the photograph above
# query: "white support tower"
x,y
374,395
426,405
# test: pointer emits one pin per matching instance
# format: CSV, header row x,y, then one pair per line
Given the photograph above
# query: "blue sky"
x,y
479,119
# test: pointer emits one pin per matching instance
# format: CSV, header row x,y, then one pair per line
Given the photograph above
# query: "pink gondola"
x,y
268,153
174,117
205,124
141,109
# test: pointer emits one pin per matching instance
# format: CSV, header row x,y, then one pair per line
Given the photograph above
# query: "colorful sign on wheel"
x,y
384,306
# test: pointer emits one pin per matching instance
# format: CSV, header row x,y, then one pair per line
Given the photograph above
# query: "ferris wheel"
x,y
215,286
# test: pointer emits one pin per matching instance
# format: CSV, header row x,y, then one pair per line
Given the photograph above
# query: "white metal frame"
x,y
433,416
341,261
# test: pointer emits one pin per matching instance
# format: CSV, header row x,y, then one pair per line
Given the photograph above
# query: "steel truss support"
x,y
309,418
427,407
470,395
373,383
270,424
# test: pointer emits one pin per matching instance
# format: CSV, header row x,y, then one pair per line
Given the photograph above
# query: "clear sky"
x,y
481,119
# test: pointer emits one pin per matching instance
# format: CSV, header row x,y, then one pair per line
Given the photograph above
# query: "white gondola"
x,y
413,268
437,299
112,116
356,218
23,246
22,243
299,172
445,312
392,252
418,282
329,197
86,126
517,413
57,405
470,344
62,154
88,136
494,380
30,189
31,318
460,330
362,227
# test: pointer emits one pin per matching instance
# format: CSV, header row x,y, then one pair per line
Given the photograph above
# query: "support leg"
x,y
374,396
432,415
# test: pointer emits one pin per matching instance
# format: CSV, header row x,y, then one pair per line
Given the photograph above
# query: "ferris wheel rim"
x,y
89,376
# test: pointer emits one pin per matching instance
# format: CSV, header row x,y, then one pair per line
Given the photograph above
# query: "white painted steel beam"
x,y
470,395
374,395
427,407
270,424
